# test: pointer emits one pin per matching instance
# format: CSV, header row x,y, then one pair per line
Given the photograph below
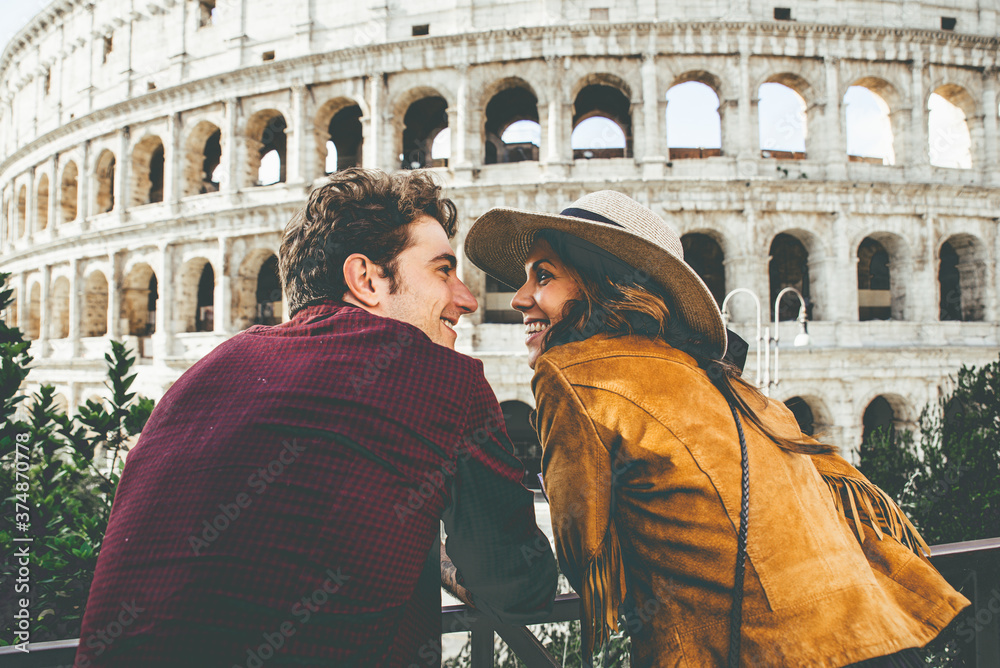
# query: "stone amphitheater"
x,y
152,151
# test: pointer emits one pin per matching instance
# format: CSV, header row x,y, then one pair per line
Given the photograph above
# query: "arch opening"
x,y
602,123
95,305
705,256
42,202
962,279
105,174
694,126
949,139
345,139
269,163
34,330
789,268
147,172
511,124
781,122
868,127
69,193
59,309
138,302
203,171
424,122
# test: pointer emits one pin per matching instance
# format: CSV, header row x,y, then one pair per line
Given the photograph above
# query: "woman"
x,y
681,497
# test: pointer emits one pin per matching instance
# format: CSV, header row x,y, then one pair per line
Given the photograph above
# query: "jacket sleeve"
x,y
502,557
578,473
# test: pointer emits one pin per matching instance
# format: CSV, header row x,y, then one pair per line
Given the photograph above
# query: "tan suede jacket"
x,y
641,458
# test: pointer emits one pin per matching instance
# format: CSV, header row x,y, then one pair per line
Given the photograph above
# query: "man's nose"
x,y
463,298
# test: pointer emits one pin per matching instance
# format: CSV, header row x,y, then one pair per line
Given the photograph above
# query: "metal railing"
x,y
972,567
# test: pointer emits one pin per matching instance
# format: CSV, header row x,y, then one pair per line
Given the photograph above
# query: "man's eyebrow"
x,y
447,257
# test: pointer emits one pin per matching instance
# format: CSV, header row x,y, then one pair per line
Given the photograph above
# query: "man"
x,y
282,506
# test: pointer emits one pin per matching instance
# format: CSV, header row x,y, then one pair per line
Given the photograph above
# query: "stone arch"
x,y
138,299
95,305
883,272
603,95
257,296
704,253
889,98
42,202
203,157
196,296
59,309
34,329
68,193
425,116
887,411
147,171
524,439
265,137
952,143
811,414
104,179
22,211
513,101
962,278
788,266
337,125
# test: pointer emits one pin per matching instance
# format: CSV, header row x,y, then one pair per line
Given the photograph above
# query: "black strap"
x,y
588,215
736,616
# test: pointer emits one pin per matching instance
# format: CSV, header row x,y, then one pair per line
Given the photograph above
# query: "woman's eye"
x,y
543,276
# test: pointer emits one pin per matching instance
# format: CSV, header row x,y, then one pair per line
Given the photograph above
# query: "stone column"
x,y
298,137
53,195
918,156
231,149
114,289
173,161
923,291
163,337
75,312
121,172
223,296
45,312
747,149
991,150
371,125
654,139
84,180
30,215
841,271
464,135
638,133
834,148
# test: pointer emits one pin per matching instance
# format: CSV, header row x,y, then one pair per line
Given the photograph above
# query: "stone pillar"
x,y
298,137
654,138
30,210
923,291
833,150
371,125
163,337
53,195
841,271
114,290
45,312
75,311
918,155
464,135
748,134
638,133
84,180
231,148
173,161
122,164
899,123
991,142
223,296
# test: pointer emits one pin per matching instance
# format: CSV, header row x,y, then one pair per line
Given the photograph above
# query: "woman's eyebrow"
x,y
538,263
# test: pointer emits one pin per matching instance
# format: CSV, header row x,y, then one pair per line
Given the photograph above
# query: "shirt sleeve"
x,y
502,557
577,468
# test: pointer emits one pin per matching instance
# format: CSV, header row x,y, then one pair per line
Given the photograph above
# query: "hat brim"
x,y
499,242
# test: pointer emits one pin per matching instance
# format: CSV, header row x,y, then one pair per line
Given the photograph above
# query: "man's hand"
x,y
449,580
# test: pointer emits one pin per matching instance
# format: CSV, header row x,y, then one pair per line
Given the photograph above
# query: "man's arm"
x,y
449,579
503,559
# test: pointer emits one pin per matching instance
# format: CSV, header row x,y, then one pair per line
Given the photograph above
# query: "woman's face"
x,y
542,298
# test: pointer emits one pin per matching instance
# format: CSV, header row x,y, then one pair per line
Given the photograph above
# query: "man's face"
x,y
430,295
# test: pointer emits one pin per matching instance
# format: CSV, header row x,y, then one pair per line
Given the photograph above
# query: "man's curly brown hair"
x,y
363,211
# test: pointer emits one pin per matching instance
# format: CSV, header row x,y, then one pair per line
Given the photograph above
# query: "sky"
x,y
15,14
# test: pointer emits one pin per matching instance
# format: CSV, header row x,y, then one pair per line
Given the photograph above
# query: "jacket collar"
x,y
604,345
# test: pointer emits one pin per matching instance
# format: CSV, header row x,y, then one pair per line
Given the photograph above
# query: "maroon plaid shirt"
x,y
282,505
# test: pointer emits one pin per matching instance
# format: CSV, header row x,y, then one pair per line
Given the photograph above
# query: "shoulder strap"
x,y
736,616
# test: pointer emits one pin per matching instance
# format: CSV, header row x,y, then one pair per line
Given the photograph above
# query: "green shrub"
x,y
66,493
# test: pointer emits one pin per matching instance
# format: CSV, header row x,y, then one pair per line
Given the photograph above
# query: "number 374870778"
x,y
22,518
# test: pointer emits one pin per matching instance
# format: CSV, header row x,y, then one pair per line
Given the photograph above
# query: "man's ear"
x,y
362,276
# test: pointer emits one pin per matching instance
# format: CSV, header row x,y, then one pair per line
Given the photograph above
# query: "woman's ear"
x,y
361,275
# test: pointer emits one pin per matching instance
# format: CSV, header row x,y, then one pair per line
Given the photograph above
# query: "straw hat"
x,y
499,241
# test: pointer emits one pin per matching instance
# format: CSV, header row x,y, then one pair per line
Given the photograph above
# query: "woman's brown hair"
x,y
618,299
